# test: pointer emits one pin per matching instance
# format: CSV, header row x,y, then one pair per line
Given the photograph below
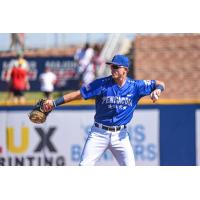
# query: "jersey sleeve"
x,y
91,90
145,87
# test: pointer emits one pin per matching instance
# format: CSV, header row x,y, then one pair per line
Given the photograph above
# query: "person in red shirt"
x,y
19,83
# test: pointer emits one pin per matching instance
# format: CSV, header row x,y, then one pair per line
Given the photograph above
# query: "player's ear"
x,y
125,71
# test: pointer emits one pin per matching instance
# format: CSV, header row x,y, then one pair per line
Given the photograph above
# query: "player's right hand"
x,y
48,105
155,95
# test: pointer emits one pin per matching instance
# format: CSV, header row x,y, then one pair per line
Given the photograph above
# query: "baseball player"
x,y
116,97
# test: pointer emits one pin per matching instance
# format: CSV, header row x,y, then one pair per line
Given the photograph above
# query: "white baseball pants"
x,y
99,140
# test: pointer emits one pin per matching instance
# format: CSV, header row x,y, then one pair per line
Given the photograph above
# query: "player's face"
x,y
118,71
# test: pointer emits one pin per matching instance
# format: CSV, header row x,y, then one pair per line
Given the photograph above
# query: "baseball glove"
x,y
38,115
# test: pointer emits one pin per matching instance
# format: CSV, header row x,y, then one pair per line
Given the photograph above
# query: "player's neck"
x,y
120,81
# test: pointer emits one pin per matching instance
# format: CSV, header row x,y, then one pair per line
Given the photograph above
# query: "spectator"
x,y
80,53
97,61
22,61
48,80
19,83
17,41
85,68
15,63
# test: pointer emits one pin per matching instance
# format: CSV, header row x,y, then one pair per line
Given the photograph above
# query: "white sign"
x,y
144,134
60,140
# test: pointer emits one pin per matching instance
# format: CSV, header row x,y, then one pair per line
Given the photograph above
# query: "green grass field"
x,y
33,97
30,96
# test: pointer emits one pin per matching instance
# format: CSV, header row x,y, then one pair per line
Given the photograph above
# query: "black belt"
x,y
109,128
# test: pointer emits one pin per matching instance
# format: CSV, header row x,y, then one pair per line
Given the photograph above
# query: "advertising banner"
x,y
61,139
65,69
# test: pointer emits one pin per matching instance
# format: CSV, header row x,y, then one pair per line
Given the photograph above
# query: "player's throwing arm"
x,y
160,87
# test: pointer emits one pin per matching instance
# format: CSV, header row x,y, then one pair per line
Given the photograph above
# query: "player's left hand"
x,y
155,95
48,105
38,115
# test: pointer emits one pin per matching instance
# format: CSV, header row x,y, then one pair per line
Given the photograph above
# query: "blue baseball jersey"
x,y
114,104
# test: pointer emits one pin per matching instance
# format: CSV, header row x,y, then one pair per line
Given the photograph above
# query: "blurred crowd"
x,y
87,58
89,62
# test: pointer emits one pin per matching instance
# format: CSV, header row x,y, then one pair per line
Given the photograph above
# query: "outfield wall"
x,y
160,135
65,68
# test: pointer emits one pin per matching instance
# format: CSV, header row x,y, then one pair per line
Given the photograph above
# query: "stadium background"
x,y
165,133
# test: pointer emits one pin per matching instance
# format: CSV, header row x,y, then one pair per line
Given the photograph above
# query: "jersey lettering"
x,y
117,100
147,82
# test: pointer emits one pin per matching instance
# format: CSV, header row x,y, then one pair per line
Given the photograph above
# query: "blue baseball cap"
x,y
119,60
